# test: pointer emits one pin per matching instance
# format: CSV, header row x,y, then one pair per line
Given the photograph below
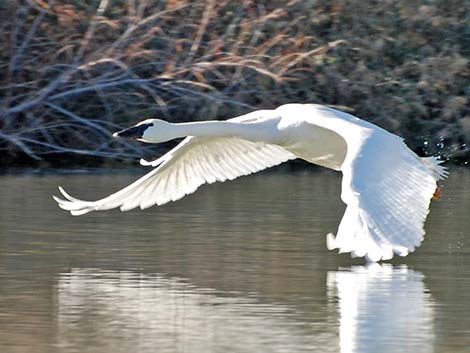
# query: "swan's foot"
x,y
437,194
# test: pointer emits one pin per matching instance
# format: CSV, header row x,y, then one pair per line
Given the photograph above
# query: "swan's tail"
x,y
434,164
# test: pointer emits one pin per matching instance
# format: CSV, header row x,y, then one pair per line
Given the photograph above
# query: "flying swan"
x,y
387,188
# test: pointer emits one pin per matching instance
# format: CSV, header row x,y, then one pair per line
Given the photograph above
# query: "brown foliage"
x,y
72,72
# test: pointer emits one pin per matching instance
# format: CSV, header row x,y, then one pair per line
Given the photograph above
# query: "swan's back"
x,y
308,141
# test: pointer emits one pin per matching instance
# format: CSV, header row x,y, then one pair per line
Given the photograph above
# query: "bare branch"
x,y
17,142
16,58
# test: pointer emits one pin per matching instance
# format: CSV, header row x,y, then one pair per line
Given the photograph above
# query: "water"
x,y
236,267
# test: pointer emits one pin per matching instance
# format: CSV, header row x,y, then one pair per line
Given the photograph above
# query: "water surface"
x,y
236,267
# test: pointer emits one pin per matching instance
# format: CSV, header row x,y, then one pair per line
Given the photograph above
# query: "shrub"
x,y
73,72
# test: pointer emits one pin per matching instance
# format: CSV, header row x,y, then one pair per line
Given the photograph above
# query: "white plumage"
x,y
387,187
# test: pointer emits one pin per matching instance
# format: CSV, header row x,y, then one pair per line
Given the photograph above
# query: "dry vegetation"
x,y
74,71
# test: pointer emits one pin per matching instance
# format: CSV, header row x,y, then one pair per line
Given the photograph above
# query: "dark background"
x,y
72,72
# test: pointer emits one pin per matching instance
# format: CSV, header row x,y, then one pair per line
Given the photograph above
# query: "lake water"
x,y
237,267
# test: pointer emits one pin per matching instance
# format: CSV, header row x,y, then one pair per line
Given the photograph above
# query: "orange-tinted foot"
x,y
437,194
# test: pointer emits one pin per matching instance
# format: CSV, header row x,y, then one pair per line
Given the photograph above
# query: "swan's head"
x,y
150,130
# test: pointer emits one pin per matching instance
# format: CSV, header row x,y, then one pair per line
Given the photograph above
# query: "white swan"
x,y
387,187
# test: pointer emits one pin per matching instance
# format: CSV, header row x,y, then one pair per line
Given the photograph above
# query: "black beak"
x,y
134,132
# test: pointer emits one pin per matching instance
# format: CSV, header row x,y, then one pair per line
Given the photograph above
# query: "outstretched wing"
x,y
387,189
195,161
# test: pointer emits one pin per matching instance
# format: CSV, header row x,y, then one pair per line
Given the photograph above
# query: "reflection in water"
x,y
123,310
382,309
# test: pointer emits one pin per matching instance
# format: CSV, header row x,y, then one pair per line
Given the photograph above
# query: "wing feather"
x,y
387,189
181,171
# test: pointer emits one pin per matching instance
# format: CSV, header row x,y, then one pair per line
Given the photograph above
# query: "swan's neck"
x,y
251,132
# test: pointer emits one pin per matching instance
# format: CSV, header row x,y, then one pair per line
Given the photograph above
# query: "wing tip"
x,y
67,195
80,212
154,163
381,254
434,165
71,204
145,162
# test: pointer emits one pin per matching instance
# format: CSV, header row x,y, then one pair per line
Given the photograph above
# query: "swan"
x,y
387,188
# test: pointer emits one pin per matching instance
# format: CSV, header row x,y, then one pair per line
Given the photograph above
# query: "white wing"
x,y
195,161
387,189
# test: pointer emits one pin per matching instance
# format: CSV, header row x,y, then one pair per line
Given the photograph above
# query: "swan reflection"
x,y
382,309
129,311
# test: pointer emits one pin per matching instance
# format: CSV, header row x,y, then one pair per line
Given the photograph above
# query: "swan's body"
x,y
387,187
